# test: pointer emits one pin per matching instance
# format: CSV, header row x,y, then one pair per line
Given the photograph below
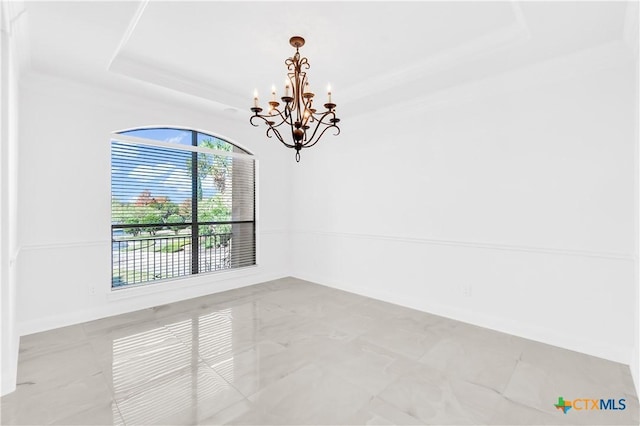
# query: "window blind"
x,y
179,210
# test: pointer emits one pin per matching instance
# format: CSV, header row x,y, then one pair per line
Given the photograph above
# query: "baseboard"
x,y
8,384
114,308
635,367
9,367
504,325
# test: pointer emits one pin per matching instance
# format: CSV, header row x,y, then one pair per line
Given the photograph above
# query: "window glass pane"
x,y
242,171
178,136
215,187
208,141
230,246
144,257
215,247
149,184
151,211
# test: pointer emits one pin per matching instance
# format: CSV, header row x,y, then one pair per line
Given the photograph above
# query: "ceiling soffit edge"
x,y
15,23
631,30
112,95
135,19
506,37
589,61
11,11
163,76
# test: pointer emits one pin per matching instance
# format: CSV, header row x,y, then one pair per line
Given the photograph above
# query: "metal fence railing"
x,y
139,257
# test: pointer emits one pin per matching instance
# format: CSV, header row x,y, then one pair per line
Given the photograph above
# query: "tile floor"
x,y
293,352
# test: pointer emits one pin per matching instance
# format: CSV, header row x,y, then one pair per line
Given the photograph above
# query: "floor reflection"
x,y
292,352
160,374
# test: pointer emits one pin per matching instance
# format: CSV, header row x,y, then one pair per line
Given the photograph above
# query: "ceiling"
x,y
374,54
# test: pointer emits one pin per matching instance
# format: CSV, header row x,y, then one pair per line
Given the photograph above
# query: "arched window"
x,y
182,203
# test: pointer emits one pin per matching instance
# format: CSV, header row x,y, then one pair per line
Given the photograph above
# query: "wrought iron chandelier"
x,y
298,113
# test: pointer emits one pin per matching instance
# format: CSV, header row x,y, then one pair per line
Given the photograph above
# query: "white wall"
x,y
64,202
632,37
508,205
9,82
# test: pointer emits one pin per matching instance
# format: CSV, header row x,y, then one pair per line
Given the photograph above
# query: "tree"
x,y
165,207
214,209
144,199
215,165
132,220
146,209
117,211
184,209
125,214
221,164
176,218
151,216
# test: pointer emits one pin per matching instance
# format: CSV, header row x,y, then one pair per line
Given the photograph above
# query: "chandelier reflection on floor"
x,y
307,125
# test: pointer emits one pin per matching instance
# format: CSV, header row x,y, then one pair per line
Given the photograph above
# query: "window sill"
x,y
180,284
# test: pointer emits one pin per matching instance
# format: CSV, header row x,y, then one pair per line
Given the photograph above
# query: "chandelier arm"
x,y
291,126
308,106
286,118
289,63
298,96
267,118
321,122
300,78
263,118
278,136
290,113
319,115
292,76
283,118
309,145
256,116
271,129
279,124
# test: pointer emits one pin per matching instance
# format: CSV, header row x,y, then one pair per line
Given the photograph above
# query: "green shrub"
x,y
172,246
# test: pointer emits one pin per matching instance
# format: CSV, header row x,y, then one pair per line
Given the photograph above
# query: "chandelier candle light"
x,y
306,123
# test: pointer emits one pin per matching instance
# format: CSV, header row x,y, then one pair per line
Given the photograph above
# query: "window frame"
x,y
198,278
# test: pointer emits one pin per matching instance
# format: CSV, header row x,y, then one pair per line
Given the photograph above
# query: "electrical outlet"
x,y
466,290
92,290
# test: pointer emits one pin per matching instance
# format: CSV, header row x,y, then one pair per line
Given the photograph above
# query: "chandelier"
x,y
298,114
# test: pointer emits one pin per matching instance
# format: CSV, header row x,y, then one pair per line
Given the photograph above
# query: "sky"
x,y
163,172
